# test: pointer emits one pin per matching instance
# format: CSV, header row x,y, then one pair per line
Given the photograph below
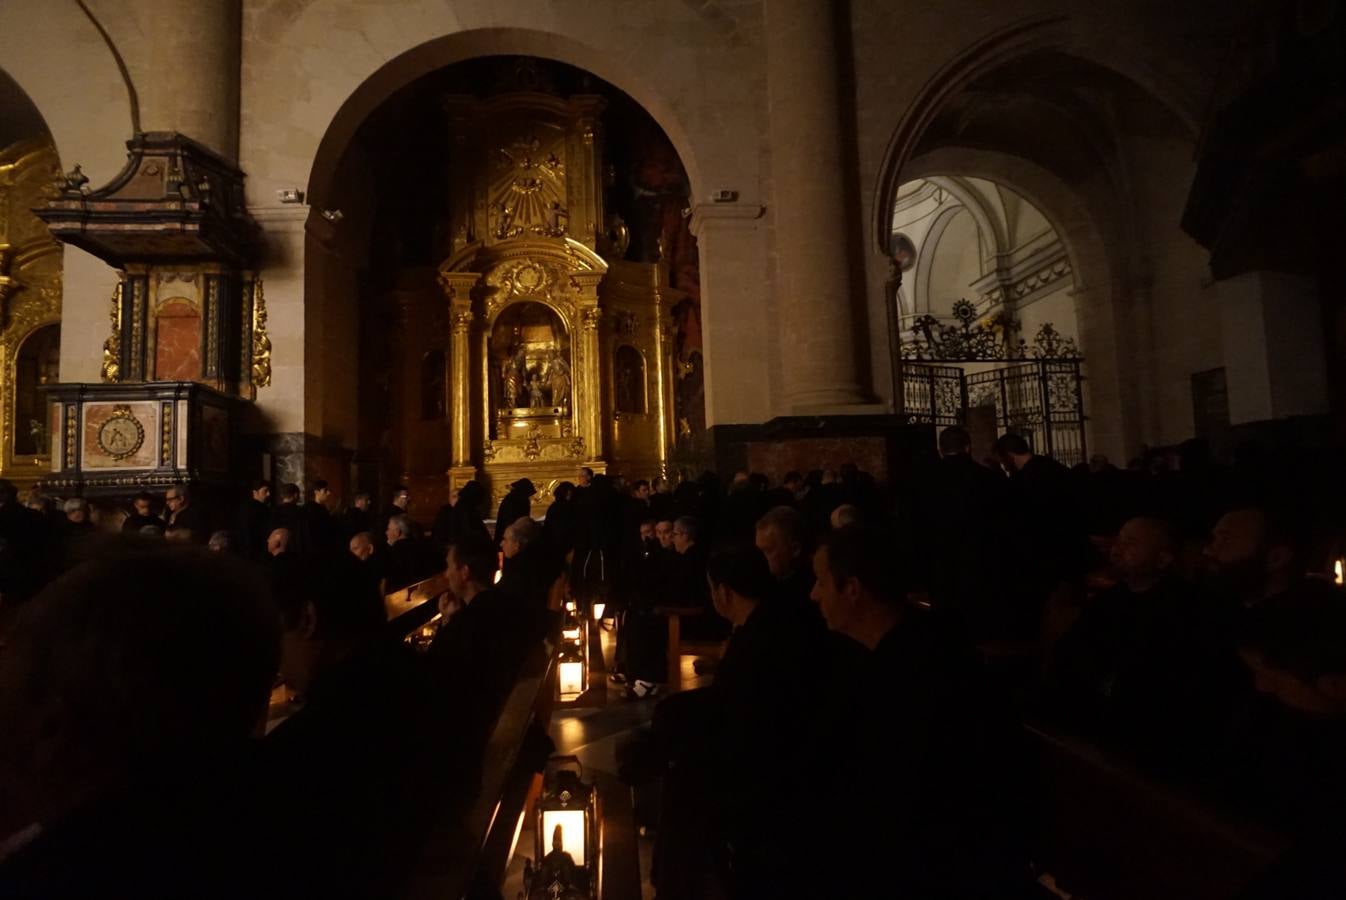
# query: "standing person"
x,y
186,521
517,504
358,517
254,521
23,556
290,516
142,515
962,507
397,506
560,522
322,531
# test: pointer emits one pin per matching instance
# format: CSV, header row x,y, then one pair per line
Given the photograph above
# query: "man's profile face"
x,y
1236,541
643,492
647,531
392,534
262,494
585,476
321,496
277,542
401,500
362,503
832,601
456,573
76,516
682,540
173,500
664,532
142,507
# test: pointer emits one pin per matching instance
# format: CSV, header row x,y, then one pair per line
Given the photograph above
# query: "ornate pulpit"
x,y
187,339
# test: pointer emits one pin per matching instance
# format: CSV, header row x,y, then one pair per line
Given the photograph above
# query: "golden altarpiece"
x,y
30,309
559,351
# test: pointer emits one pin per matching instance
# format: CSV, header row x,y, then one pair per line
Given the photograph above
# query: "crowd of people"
x,y
879,645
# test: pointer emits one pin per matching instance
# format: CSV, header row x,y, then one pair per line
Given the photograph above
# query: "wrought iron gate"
x,y
1040,399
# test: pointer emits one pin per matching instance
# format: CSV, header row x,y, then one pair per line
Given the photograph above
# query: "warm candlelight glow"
x,y
572,831
600,608
570,676
571,633
1338,576
570,606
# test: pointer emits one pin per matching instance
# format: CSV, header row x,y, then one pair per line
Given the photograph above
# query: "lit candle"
x,y
1338,576
600,608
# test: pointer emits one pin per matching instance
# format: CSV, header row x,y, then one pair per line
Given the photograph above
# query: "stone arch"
x,y
1014,42
460,46
920,292
1112,402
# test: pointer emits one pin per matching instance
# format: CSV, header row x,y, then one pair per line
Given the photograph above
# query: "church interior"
x,y
674,449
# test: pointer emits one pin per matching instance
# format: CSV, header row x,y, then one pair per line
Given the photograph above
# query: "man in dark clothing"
x,y
253,525
529,567
23,556
321,529
923,785
347,771
733,745
783,538
397,506
1136,667
687,586
290,516
1287,767
142,515
961,506
515,505
1051,549
475,657
662,505
357,518
1254,556
407,560
186,520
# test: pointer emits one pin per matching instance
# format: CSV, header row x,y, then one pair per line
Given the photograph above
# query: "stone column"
x,y
1274,358
817,291
187,74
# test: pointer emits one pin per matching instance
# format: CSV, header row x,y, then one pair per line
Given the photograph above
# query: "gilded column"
x,y
817,292
460,354
593,390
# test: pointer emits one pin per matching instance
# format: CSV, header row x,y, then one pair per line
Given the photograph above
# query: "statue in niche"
x,y
510,383
558,377
38,432
630,372
535,398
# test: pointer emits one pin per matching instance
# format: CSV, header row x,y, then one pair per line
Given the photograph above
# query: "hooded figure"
x,y
518,504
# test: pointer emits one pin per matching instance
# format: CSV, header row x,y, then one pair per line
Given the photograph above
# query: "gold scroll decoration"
x,y
261,341
112,347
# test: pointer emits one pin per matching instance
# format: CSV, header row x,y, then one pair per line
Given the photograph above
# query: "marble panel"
x,y
129,443
177,343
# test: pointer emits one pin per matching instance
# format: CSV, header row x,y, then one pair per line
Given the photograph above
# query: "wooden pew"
x,y
1109,831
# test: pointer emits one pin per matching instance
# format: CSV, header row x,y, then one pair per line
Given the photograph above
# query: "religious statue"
x,y
558,374
38,432
535,398
510,384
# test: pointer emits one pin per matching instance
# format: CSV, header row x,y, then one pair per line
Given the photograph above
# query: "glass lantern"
x,y
567,830
572,675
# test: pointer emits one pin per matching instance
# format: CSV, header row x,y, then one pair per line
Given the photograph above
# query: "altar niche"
x,y
529,354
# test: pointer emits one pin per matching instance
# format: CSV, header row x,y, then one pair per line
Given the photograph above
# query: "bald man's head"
x,y
1144,552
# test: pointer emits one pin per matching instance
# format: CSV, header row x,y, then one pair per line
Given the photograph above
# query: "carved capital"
x,y
461,321
591,317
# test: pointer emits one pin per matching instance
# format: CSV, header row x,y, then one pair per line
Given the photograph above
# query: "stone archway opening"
x,y
1096,155
407,242
30,286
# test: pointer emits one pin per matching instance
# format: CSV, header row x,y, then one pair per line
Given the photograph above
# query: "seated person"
x,y
406,561
731,744
1136,667
1290,764
475,657
129,691
344,770
142,514
924,783
361,546
530,568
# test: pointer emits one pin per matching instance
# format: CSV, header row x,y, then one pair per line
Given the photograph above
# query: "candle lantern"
x,y
1339,572
572,628
572,677
567,835
599,608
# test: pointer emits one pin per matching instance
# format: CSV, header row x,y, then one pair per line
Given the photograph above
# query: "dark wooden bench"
x,y
1109,831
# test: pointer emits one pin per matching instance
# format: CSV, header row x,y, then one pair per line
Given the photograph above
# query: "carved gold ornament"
x,y
112,347
261,342
122,434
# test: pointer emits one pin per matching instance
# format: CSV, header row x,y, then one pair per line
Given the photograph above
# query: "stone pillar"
x,y
816,289
738,344
187,73
1272,331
